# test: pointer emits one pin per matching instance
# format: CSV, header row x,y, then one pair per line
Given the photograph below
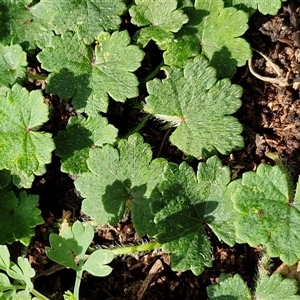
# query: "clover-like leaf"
x,y
185,203
199,106
161,18
121,179
87,17
81,136
25,151
19,216
268,214
12,65
89,78
210,27
73,242
97,263
229,288
266,7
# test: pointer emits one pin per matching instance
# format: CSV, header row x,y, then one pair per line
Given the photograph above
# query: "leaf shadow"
x,y
4,22
223,62
66,85
123,199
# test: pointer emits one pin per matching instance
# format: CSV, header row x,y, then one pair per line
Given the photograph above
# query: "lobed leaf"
x,y
199,107
86,17
81,136
96,263
183,203
12,65
89,77
267,212
266,7
119,180
19,216
210,26
25,151
229,288
161,18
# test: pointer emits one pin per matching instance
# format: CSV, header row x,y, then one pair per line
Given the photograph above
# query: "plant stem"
x,y
139,126
36,77
137,248
153,73
39,295
77,283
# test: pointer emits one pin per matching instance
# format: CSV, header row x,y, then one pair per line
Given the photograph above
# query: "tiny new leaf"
x,y
81,136
185,202
12,65
87,17
199,106
25,151
19,216
72,243
119,180
268,212
89,77
22,272
161,18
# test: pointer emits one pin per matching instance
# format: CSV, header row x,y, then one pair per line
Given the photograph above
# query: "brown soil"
x,y
271,117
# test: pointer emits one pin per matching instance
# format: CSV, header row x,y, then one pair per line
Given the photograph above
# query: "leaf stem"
x,y
137,248
77,283
153,73
36,77
139,126
38,295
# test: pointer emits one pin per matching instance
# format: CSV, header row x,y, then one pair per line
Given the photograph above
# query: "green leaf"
x,y
19,216
12,64
89,78
229,288
276,287
24,149
69,296
96,263
161,18
61,251
5,178
73,243
5,283
210,26
198,105
81,136
185,203
4,258
120,180
17,25
86,17
266,7
268,214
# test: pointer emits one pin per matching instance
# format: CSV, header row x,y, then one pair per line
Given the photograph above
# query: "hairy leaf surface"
x,y
268,212
121,180
90,76
25,150
19,216
199,106
12,65
87,17
160,18
185,202
210,26
81,136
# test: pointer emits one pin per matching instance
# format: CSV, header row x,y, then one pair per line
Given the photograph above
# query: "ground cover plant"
x,y
125,125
